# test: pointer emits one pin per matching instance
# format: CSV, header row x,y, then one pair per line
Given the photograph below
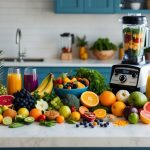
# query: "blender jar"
x,y
66,42
134,38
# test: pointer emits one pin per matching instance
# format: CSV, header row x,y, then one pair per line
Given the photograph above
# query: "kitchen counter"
x,y
65,135
58,63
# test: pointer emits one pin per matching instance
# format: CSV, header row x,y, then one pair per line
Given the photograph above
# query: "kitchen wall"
x,y
41,27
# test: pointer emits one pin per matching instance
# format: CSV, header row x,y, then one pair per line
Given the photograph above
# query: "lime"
x,y
29,120
19,118
24,112
1,110
133,118
7,121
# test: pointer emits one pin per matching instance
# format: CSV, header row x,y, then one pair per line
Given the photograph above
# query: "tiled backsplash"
x,y
41,27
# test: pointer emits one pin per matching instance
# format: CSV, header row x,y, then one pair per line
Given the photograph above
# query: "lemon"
x,y
75,116
1,118
24,112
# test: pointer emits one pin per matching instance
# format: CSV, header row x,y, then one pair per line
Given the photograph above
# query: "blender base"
x,y
129,77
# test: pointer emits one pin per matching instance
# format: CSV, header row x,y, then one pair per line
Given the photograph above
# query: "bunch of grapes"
x,y
56,103
23,98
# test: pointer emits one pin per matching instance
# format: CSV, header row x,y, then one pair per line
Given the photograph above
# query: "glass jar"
x,y
30,79
14,80
135,33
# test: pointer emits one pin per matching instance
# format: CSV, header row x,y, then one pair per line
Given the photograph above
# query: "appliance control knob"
x,y
134,75
123,78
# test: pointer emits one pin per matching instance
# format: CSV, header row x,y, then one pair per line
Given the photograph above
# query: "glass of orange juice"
x,y
148,86
14,80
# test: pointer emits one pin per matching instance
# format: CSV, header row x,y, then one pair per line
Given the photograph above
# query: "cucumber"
x,y
16,125
19,118
7,121
29,120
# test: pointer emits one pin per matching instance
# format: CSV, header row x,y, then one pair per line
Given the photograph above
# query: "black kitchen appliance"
x,y
132,73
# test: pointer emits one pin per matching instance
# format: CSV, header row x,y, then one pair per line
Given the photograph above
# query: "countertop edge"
x,y
74,142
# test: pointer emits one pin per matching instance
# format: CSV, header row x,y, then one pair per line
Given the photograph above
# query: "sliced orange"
x,y
83,109
100,113
89,99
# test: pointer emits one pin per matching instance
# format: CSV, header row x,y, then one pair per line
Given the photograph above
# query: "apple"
x,y
122,95
65,111
137,99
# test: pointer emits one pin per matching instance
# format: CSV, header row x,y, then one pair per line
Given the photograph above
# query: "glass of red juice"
x,y
30,79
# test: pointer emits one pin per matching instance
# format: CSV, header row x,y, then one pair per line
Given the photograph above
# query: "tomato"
x,y
42,118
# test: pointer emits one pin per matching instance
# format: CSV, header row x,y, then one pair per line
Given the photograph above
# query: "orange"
x,y
100,113
145,117
35,113
89,99
60,119
75,116
117,108
107,98
83,109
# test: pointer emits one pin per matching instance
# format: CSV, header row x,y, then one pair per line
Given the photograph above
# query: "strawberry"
x,y
73,109
59,81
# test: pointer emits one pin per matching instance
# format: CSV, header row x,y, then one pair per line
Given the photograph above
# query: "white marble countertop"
x,y
58,63
65,135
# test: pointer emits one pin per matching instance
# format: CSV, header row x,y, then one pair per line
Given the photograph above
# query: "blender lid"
x,y
134,20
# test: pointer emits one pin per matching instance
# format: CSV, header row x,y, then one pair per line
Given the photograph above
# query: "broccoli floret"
x,y
71,100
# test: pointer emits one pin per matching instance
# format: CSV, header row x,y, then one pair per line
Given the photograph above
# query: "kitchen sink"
x,y
23,60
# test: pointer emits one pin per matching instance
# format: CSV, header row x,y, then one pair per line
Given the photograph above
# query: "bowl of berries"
x,y
70,85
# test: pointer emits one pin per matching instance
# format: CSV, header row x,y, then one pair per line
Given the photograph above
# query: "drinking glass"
x,y
14,80
30,79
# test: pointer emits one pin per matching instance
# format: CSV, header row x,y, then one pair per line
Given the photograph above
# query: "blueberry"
x,y
77,125
92,126
101,125
100,120
107,123
85,126
81,123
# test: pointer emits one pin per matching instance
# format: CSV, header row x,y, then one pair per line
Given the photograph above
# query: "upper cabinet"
x,y
69,6
102,6
98,6
84,6
132,6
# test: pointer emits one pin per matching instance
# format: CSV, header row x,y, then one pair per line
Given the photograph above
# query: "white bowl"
x,y
135,5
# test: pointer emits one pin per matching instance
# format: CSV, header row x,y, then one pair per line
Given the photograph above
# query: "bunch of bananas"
x,y
46,85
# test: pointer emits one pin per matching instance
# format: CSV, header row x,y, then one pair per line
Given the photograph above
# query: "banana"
x,y
49,87
43,84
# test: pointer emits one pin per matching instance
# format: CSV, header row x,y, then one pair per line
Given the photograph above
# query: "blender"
x,y
132,73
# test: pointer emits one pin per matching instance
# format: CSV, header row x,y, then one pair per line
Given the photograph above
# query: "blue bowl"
x,y
63,92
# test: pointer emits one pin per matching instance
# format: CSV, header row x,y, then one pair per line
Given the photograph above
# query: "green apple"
x,y
65,111
133,118
137,99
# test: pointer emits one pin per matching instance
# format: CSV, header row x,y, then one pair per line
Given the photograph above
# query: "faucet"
x,y
18,41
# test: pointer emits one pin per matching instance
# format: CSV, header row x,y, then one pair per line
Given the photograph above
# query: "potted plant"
x,y
103,49
82,43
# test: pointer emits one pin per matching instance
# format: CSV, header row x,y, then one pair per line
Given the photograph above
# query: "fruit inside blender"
x,y
134,40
